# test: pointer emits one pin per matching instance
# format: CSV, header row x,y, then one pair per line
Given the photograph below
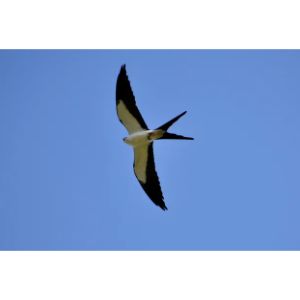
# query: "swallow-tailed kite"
x,y
141,138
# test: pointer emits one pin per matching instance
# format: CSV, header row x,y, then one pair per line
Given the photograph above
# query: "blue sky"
x,y
66,178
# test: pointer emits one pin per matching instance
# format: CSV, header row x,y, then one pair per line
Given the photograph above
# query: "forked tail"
x,y
172,136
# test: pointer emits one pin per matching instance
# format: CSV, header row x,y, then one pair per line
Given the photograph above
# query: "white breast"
x,y
138,138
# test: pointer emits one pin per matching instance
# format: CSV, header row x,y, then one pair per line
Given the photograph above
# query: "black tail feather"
x,y
166,126
173,136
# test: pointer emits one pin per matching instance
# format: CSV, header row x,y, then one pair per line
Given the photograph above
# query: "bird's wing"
x,y
144,170
127,110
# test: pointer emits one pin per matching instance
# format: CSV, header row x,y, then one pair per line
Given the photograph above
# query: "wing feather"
x,y
127,110
144,169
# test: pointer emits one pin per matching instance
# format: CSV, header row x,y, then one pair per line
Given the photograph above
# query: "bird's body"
x,y
141,138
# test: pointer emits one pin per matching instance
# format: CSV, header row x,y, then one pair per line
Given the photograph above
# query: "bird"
x,y
141,138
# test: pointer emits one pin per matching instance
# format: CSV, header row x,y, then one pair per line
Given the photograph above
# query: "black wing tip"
x,y
123,72
156,199
163,207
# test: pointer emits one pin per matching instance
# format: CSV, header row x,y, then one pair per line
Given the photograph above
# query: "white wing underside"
x,y
140,162
129,121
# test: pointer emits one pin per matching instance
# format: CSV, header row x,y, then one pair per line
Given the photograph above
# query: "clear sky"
x,y
66,177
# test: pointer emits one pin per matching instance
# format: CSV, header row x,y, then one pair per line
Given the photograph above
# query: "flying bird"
x,y
141,138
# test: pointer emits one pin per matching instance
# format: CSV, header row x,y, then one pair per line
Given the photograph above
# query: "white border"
x,y
153,24
149,275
